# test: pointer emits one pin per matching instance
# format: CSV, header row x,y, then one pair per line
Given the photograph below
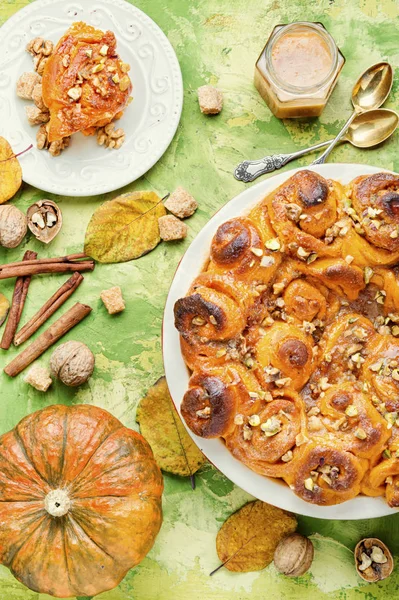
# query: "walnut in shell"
x,y
293,555
72,363
44,220
373,560
13,226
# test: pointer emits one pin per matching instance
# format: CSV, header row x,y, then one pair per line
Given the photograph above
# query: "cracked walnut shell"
x,y
373,560
72,363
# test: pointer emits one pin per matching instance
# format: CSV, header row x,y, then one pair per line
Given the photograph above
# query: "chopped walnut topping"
x,y
254,420
314,423
360,433
247,433
271,426
239,419
257,251
288,456
205,413
267,261
282,382
273,244
75,92
293,212
278,288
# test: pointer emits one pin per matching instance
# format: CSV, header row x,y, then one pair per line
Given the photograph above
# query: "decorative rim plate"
x,y
150,121
177,374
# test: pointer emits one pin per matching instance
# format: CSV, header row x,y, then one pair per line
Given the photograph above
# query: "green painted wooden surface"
x,y
216,41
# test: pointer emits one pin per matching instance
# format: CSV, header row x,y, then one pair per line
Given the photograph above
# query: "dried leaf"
x,y
160,424
10,172
4,308
249,537
124,228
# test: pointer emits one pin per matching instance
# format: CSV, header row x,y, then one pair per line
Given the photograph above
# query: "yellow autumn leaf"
x,y
248,538
124,228
10,172
4,308
160,424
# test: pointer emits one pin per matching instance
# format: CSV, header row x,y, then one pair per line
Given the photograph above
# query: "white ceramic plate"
x,y
150,121
177,374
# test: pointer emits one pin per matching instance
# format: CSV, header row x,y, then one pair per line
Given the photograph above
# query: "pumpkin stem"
x,y
57,503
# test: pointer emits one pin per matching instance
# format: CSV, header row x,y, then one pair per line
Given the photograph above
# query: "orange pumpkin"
x,y
80,500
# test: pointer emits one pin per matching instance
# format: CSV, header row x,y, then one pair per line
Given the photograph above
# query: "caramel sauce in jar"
x,y
297,70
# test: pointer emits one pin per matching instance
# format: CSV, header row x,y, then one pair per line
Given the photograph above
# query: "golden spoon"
x,y
367,130
370,91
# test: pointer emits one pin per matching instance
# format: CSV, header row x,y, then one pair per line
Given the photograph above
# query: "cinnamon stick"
x,y
61,264
48,309
59,328
18,301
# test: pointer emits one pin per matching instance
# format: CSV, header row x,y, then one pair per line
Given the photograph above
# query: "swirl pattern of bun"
x,y
303,210
292,335
264,445
326,474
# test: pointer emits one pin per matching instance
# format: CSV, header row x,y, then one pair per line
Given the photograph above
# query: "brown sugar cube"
x,y
171,228
210,100
26,83
113,300
36,116
39,378
181,203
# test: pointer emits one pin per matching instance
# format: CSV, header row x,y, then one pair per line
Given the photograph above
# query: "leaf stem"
x,y
18,154
232,556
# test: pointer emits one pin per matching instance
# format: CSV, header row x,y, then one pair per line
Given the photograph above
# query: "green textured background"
x,y
216,41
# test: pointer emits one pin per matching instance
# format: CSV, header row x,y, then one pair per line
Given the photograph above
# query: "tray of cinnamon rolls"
x,y
281,341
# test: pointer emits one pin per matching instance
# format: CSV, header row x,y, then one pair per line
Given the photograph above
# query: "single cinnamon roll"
x,y
208,315
302,211
265,445
238,248
304,301
375,199
214,398
353,422
284,357
325,474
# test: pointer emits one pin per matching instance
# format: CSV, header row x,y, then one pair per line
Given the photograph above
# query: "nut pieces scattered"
x,y
72,363
293,555
373,560
44,220
54,148
13,226
40,50
110,137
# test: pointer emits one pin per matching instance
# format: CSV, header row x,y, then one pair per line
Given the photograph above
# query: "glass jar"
x,y
298,69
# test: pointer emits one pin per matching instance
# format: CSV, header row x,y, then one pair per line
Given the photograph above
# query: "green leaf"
x,y
124,228
160,424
